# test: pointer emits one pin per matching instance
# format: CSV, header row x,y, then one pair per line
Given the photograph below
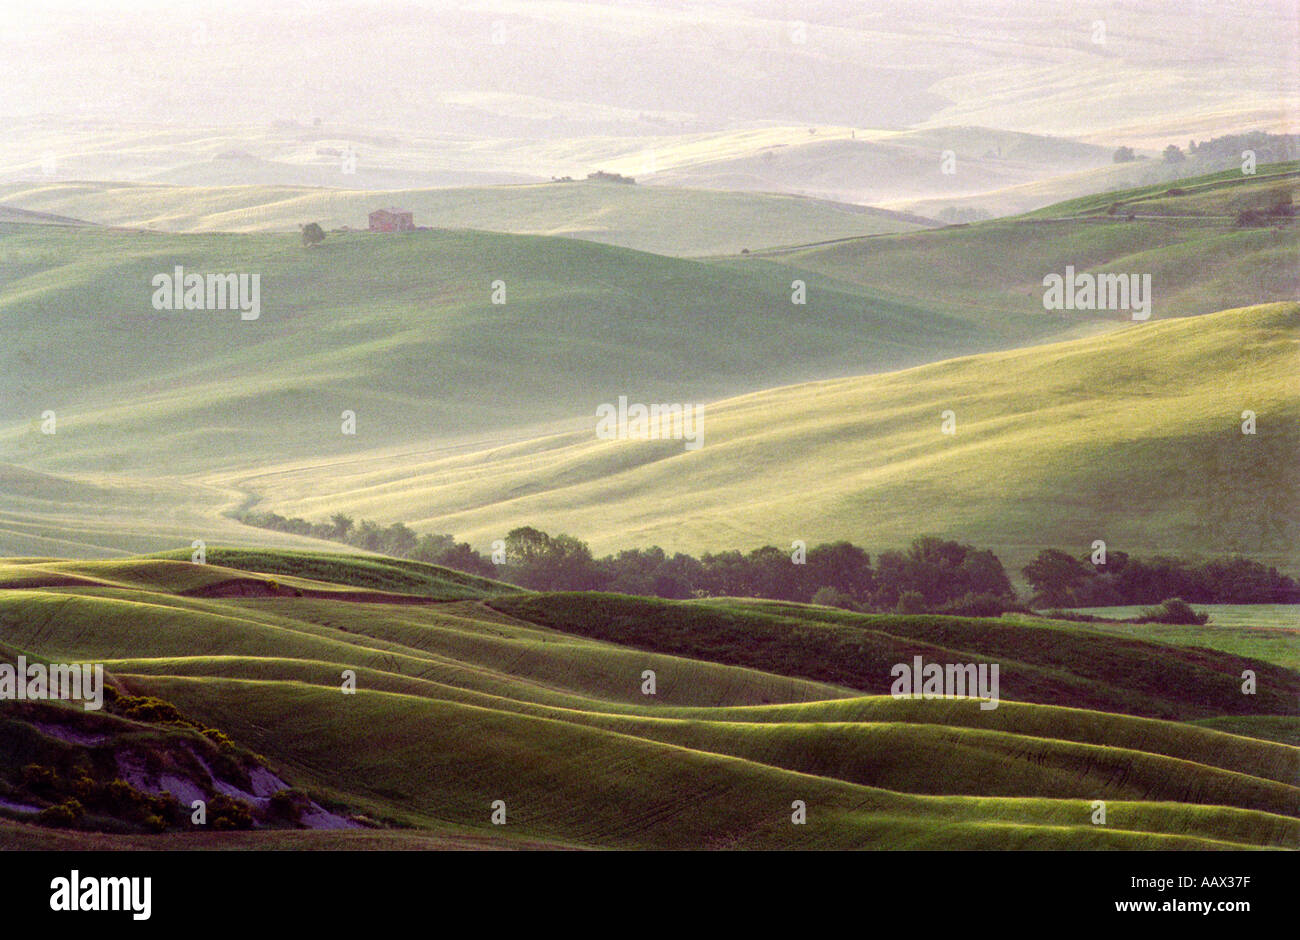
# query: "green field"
x,y
1199,261
537,700
1133,437
664,220
472,417
1262,631
403,331
1211,195
822,239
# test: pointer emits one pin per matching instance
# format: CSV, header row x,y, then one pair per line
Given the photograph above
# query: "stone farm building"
x,y
391,220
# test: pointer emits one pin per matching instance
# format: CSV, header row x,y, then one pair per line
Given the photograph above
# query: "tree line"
x,y
933,574
1062,580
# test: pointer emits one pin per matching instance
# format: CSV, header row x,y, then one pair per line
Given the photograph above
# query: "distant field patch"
x,y
1270,632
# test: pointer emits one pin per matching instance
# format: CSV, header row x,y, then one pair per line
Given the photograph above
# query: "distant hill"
x,y
667,221
1213,156
893,167
14,214
1184,235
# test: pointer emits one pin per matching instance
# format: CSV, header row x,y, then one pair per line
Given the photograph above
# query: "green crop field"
x,y
537,701
1133,437
472,415
402,330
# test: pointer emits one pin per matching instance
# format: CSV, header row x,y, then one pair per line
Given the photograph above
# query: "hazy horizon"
x,y
552,70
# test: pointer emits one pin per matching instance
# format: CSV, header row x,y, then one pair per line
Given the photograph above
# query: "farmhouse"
x,y
391,220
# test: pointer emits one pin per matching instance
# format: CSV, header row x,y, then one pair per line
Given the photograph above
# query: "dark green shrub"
x,y
980,605
63,815
147,708
1173,610
227,813
39,779
288,805
218,738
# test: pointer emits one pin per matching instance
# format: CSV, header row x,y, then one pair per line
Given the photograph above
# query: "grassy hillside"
x,y
1048,664
401,330
1133,437
181,418
893,167
1198,259
516,700
1219,194
1089,184
100,514
296,573
1262,631
663,220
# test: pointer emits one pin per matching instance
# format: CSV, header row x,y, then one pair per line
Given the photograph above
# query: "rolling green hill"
x,y
1133,437
471,415
1091,185
403,331
1210,195
517,700
664,220
1198,259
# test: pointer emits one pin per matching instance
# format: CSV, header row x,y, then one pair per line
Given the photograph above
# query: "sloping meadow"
x,y
608,721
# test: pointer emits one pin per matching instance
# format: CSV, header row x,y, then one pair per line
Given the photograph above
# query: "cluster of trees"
x,y
1268,148
932,575
1062,580
1226,150
397,540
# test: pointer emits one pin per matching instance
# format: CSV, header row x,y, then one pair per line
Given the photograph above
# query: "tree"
x,y
525,545
771,574
312,235
545,563
633,570
724,574
1173,154
940,570
1124,155
843,567
369,536
1056,577
399,540
981,573
342,526
679,576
